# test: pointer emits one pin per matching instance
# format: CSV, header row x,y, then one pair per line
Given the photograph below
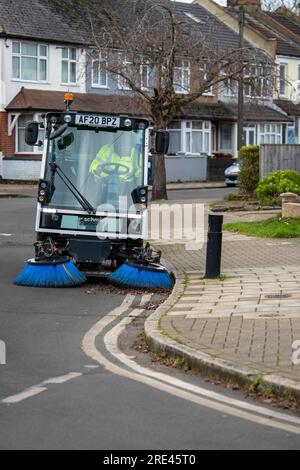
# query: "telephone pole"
x,y
241,80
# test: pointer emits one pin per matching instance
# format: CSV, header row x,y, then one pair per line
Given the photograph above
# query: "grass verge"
x,y
275,227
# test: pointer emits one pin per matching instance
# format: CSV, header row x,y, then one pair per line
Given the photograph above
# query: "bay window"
x,y
190,137
69,66
21,146
270,133
29,61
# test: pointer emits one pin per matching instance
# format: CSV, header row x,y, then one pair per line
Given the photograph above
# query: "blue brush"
x,y
43,272
142,276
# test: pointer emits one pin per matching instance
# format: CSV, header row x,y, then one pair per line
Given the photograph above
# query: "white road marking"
x,y
63,379
5,235
89,347
31,392
36,389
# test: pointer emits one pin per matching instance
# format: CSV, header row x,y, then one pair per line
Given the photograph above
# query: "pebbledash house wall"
x,y
27,166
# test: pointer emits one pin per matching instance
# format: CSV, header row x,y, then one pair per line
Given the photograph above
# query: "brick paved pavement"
x,y
252,317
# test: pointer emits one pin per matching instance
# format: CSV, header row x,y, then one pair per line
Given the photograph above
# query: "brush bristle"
x,y
59,275
140,278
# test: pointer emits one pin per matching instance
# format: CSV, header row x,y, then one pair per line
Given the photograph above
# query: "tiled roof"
x,y
59,20
254,112
40,100
287,21
214,111
271,26
44,19
209,24
292,109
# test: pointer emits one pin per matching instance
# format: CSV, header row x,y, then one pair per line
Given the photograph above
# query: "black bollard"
x,y
214,247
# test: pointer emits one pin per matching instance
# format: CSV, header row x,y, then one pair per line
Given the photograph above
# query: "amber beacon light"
x,y
69,98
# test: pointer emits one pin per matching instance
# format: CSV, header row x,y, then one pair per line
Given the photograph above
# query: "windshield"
x,y
102,165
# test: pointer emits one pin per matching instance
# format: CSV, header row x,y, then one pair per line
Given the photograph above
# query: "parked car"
x,y
231,175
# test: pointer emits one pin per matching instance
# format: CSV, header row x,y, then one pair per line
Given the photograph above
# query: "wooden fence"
x,y
278,157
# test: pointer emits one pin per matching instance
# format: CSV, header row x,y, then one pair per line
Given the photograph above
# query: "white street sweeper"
x,y
92,201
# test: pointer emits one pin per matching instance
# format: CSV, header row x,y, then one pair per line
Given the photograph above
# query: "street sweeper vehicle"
x,y
92,201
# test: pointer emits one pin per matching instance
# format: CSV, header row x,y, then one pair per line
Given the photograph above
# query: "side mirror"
x,y
65,141
32,133
162,142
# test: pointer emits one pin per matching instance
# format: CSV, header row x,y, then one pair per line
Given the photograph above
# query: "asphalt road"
x,y
94,407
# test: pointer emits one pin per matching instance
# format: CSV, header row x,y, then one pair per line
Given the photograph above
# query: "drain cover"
x,y
278,296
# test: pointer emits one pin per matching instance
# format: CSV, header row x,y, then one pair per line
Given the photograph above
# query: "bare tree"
x,y
166,58
271,5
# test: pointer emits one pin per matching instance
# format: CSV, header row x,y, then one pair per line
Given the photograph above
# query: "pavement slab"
x,y
249,318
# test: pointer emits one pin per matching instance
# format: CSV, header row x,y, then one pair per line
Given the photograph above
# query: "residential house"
x,y
45,50
282,30
40,50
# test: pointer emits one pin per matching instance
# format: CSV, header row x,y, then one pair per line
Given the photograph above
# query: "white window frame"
x,y
221,148
36,150
183,67
146,66
266,132
70,61
122,83
38,57
203,71
102,58
186,128
282,82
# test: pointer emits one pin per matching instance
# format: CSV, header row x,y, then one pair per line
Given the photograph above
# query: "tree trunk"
x,y
159,188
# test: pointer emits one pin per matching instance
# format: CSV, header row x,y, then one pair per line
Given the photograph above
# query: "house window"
x,y
29,61
69,66
229,87
126,67
291,134
21,146
257,81
182,74
145,75
99,72
270,133
175,137
226,137
282,79
191,137
203,78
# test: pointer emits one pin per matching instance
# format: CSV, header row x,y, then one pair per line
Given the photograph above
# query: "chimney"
x,y
247,4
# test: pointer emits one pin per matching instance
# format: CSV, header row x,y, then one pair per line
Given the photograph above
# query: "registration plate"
x,y
94,120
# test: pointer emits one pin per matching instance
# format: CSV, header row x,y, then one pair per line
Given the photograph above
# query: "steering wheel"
x,y
117,169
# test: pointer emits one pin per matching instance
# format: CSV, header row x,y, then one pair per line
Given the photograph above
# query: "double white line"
x,y
171,385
